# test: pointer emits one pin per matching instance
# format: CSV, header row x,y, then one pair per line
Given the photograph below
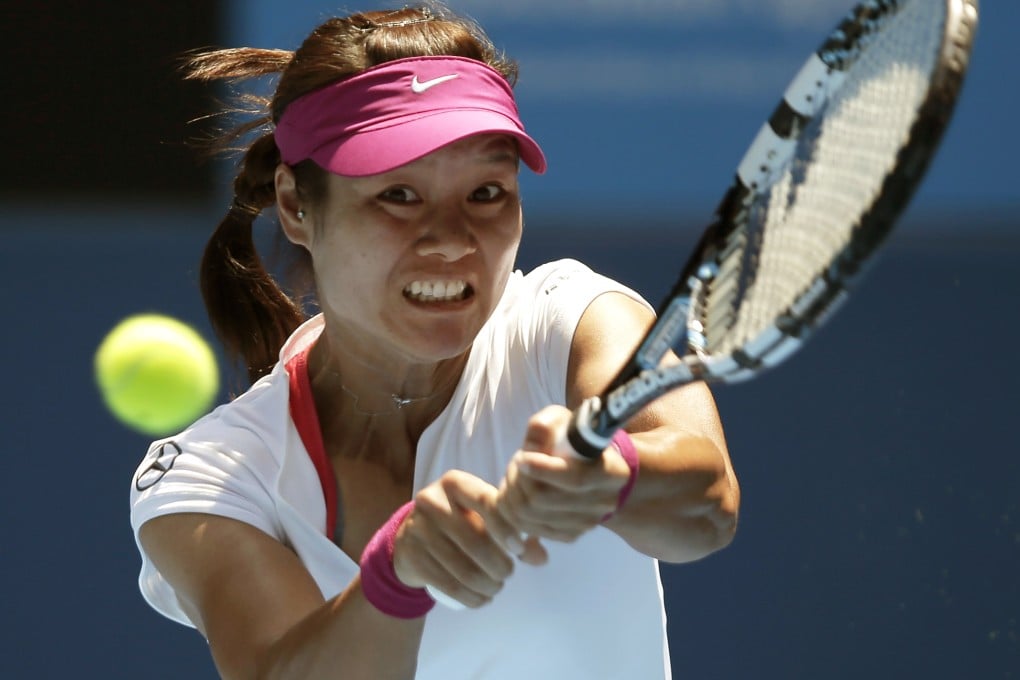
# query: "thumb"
x,y
546,429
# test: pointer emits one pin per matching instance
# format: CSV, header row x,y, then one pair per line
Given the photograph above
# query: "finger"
x,y
423,549
563,528
448,545
573,475
506,535
470,555
542,433
561,520
472,536
466,592
531,495
539,502
441,563
534,553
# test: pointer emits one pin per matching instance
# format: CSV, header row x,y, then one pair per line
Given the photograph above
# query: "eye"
x,y
487,193
399,194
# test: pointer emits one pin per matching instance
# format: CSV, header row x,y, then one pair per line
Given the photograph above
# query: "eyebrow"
x,y
501,151
504,156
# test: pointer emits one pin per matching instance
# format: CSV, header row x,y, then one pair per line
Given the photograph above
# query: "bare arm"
x,y
684,505
265,617
261,611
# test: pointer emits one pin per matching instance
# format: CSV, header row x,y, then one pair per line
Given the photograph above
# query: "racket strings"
x,y
801,224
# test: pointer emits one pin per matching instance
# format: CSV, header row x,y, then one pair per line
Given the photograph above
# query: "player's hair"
x,y
251,313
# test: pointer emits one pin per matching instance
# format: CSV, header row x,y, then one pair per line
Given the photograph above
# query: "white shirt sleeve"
x,y
214,468
563,291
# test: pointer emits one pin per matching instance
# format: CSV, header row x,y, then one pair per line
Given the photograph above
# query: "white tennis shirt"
x,y
594,611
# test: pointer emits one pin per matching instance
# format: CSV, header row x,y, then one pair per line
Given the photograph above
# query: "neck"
x,y
358,387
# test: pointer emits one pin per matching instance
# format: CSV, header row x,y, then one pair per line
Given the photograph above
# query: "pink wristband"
x,y
621,441
379,580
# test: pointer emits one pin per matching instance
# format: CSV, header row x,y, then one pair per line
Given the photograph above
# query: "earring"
x,y
301,214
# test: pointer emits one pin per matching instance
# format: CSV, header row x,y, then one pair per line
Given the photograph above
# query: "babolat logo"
x,y
648,384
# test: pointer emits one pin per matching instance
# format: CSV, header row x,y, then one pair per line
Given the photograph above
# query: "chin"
x,y
437,344
439,351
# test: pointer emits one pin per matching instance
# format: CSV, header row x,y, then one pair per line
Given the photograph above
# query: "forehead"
x,y
493,147
476,151
481,151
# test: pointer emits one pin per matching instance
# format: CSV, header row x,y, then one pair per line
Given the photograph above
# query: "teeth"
x,y
436,290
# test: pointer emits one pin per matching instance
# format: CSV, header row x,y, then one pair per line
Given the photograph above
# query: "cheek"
x,y
343,268
504,245
514,232
508,257
505,228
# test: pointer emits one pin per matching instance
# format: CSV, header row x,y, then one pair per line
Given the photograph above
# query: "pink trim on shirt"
x,y
306,420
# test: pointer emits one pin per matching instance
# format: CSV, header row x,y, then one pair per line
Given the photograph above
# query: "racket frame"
x,y
644,378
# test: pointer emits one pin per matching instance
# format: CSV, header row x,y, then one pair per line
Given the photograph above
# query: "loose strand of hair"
x,y
233,66
233,63
229,140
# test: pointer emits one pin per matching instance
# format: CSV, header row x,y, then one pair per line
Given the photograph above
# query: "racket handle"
x,y
442,598
579,440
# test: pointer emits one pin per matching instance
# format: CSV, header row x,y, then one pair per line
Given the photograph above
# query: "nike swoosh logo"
x,y
418,87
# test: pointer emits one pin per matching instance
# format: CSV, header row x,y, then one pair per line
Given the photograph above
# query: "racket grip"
x,y
578,439
442,598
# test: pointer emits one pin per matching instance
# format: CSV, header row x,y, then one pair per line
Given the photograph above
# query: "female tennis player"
x,y
395,446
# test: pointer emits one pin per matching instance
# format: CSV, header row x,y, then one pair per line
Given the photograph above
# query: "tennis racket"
x,y
820,188
816,194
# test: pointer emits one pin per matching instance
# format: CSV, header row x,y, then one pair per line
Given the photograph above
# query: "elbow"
x,y
693,510
723,508
702,536
718,529
729,505
709,530
724,513
724,519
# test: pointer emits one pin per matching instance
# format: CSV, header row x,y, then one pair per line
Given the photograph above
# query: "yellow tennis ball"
x,y
156,374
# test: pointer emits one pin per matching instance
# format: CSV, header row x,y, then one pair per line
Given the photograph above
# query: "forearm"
x,y
349,638
684,504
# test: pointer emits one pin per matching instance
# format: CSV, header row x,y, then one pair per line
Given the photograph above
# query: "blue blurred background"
x,y
880,531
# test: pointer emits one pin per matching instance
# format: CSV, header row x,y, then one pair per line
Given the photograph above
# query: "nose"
x,y
448,235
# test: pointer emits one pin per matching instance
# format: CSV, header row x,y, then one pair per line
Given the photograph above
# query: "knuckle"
x,y
425,504
450,480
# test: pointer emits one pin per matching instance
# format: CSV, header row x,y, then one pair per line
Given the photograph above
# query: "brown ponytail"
x,y
250,312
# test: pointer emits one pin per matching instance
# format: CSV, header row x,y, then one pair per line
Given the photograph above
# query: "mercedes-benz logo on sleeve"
x,y
162,460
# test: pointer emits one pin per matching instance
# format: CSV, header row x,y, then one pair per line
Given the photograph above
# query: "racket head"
x,y
824,182
817,192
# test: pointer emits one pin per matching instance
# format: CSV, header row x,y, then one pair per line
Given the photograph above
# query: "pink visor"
x,y
399,111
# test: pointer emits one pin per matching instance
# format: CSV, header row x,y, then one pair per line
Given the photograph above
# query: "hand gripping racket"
x,y
814,197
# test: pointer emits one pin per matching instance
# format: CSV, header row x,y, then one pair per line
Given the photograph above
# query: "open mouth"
x,y
438,291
